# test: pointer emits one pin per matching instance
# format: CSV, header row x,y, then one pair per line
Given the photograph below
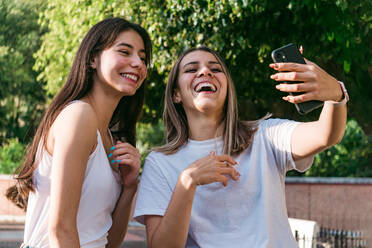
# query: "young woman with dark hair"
x,y
80,172
219,181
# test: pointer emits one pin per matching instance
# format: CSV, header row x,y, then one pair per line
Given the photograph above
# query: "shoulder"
x,y
76,121
153,158
274,123
78,114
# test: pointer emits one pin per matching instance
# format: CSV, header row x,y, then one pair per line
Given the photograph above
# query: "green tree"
x,y
21,95
335,34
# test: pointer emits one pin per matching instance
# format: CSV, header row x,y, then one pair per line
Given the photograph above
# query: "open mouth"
x,y
130,76
205,87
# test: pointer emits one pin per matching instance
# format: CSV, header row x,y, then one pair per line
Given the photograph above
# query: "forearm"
x,y
173,228
121,217
332,123
313,137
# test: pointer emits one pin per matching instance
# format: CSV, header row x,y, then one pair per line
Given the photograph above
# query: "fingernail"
x,y
273,76
118,161
110,155
112,161
112,148
277,86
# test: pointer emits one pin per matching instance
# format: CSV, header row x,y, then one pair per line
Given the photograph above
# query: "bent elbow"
x,y
330,141
61,231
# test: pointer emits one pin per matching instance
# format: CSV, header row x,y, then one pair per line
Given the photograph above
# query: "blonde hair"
x,y
237,135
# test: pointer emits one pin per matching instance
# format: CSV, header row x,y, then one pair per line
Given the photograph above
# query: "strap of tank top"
x,y
112,139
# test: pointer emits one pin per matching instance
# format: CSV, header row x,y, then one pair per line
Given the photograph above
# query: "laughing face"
x,y
202,84
122,67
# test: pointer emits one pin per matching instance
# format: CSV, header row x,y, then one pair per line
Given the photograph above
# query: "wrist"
x,y
131,187
187,180
344,97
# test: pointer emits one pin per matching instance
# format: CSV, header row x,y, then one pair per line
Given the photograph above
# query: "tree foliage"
x,y
10,156
335,34
21,95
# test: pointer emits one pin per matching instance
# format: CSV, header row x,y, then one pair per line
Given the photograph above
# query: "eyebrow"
x,y
196,62
130,46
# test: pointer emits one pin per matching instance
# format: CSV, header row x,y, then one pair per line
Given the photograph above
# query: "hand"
x,y
317,84
212,169
128,160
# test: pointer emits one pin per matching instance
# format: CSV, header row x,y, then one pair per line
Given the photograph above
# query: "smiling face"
x,y
122,66
202,84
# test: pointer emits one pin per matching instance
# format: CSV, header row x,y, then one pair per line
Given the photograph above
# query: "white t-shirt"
x,y
250,212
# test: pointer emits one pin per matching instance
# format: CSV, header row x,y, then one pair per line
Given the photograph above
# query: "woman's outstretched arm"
x,y
312,137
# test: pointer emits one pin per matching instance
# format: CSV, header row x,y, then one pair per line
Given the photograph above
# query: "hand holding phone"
x,y
290,53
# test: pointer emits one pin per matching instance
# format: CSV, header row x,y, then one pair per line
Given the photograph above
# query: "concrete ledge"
x,y
12,219
328,180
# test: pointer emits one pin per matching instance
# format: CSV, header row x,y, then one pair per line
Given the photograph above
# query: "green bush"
x,y
148,136
352,157
11,155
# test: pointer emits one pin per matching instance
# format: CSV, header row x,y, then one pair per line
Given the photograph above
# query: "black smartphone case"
x,y
290,53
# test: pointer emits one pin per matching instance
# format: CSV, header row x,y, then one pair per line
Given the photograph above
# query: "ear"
x,y
94,62
176,96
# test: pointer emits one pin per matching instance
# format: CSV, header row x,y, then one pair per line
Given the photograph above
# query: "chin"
x,y
127,92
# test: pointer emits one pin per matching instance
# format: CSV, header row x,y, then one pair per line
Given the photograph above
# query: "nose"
x,y
136,61
205,71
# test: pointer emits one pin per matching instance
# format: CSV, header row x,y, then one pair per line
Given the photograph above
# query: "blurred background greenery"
x,y
38,41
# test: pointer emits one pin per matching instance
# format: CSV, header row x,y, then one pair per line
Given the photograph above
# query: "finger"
x,y
223,179
309,62
294,76
289,67
125,150
226,158
128,157
128,162
300,87
234,174
301,49
120,144
299,98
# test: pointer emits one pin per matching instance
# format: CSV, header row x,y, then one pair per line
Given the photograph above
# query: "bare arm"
x,y
74,136
121,217
171,230
312,137
129,165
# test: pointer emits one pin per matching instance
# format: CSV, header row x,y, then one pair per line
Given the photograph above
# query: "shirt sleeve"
x,y
154,192
279,134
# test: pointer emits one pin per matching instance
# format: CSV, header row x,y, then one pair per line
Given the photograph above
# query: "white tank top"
x,y
100,192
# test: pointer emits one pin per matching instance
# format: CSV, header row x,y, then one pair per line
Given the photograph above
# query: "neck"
x,y
103,104
203,127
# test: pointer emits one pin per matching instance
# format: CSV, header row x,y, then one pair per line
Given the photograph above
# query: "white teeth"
x,y
130,76
209,86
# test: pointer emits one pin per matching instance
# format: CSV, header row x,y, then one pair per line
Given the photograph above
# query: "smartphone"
x,y
290,53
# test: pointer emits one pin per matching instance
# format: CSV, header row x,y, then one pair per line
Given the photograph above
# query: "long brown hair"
x,y
79,82
237,135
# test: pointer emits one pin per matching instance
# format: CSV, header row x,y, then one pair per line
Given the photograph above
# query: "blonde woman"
x,y
219,181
